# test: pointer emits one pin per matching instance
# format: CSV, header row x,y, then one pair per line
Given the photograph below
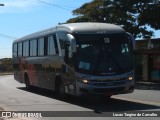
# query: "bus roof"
x,y
91,27
84,27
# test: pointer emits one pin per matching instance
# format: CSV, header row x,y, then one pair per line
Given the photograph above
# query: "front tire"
x,y
28,86
61,90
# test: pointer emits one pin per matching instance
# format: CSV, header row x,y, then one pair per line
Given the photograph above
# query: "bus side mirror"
x,y
72,42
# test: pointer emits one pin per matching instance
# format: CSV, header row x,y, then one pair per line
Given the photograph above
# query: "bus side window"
x,y
65,46
45,45
15,46
26,48
56,44
52,48
19,49
41,47
62,40
33,47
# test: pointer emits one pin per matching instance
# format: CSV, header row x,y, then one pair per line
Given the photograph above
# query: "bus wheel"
x,y
61,90
28,86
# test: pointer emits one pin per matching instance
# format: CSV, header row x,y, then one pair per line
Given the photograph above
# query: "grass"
x,y
6,73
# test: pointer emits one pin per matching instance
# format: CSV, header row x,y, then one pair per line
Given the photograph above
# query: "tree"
x,y
132,15
6,65
150,15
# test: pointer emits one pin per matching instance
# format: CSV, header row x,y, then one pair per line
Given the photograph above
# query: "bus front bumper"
x,y
104,88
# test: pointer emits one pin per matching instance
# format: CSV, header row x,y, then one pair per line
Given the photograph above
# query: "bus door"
x,y
68,72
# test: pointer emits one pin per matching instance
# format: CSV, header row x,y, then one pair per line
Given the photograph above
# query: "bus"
x,y
81,59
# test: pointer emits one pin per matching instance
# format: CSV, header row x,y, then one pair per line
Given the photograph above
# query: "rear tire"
x,y
28,86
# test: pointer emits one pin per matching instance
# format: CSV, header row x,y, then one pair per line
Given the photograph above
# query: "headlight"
x,y
84,80
130,78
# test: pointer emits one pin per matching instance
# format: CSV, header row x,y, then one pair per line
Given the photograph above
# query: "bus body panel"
x,y
40,70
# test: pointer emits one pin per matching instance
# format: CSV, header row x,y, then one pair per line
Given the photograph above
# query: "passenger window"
x,y
51,46
19,49
62,38
66,47
15,50
45,45
26,49
33,48
56,44
41,47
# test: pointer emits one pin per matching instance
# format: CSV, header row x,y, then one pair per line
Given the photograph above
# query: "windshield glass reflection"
x,y
103,54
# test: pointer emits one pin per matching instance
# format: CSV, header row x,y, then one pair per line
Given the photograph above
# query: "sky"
x,y
22,17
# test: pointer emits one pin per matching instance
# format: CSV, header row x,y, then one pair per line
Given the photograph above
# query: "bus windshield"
x,y
103,54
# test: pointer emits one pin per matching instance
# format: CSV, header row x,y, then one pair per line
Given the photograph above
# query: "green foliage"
x,y
133,15
151,14
6,65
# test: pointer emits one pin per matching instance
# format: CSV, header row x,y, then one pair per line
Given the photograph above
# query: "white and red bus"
x,y
77,59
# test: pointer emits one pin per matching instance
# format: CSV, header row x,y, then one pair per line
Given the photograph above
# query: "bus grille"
x,y
110,83
106,90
